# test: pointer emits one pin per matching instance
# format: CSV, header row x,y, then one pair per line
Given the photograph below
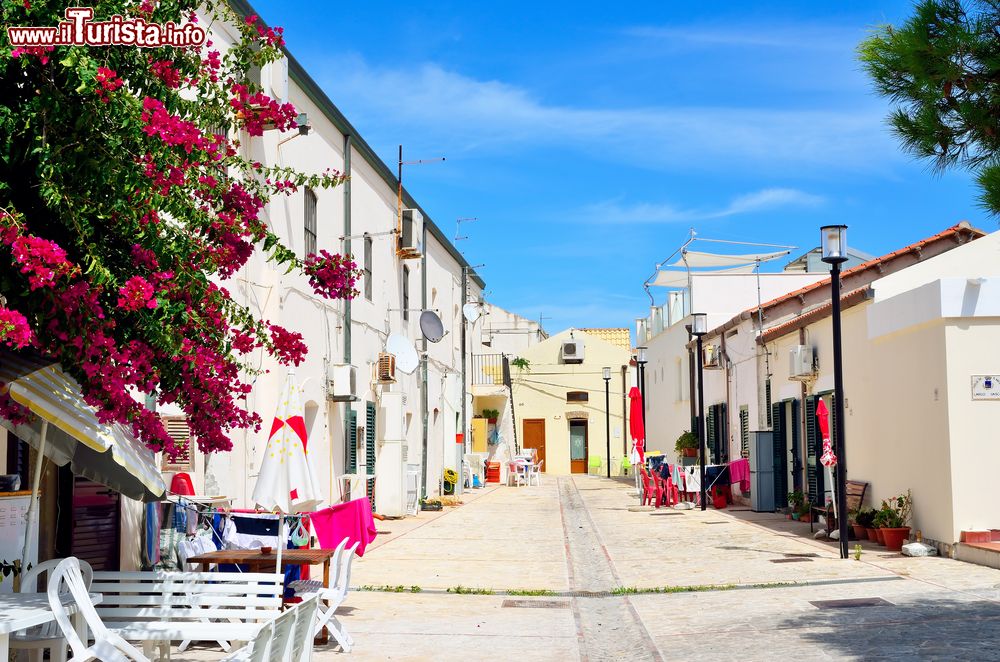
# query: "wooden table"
x,y
258,562
19,611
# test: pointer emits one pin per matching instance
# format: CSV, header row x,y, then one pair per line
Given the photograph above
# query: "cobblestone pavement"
x,y
598,563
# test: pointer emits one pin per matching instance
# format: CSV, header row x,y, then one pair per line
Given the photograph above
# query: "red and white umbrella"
x,y
286,482
828,459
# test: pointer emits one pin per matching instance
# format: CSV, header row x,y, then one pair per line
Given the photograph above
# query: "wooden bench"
x,y
159,607
856,491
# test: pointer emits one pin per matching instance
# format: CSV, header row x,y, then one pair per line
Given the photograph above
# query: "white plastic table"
x,y
25,610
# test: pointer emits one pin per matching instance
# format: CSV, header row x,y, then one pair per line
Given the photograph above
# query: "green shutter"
x,y
744,431
814,449
778,454
722,439
796,445
710,434
767,403
370,449
351,435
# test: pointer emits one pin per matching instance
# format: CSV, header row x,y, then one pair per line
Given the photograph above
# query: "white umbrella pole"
x,y
33,504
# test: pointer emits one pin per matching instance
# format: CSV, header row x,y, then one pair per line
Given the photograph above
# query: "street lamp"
x,y
699,327
834,242
607,413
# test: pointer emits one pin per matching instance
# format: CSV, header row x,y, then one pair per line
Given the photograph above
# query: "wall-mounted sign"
x,y
986,387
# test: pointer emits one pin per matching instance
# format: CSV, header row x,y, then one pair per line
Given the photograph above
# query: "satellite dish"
x,y
472,311
402,348
431,326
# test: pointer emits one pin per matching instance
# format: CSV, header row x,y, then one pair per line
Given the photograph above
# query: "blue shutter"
x,y
778,451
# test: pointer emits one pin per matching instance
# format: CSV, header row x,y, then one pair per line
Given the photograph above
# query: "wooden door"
x,y
578,447
534,437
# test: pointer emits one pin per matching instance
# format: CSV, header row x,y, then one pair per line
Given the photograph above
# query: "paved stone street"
x,y
575,540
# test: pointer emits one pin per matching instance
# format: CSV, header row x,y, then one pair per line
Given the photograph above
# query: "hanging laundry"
x,y
352,520
739,472
692,479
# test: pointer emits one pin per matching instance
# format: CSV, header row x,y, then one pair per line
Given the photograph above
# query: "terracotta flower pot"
x,y
871,533
689,452
895,537
859,532
879,536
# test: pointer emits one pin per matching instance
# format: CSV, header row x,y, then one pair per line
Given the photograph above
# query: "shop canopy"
x,y
67,431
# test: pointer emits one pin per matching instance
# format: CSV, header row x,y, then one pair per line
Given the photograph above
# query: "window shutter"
x,y
796,445
744,431
370,450
722,438
351,435
778,456
710,438
178,430
814,448
767,403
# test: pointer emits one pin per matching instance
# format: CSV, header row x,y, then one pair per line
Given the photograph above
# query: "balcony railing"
x,y
489,369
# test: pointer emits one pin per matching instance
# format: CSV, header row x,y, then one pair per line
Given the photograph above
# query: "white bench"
x,y
159,607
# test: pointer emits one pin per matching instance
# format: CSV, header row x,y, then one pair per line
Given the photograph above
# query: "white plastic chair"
x,y
517,472
536,473
35,640
255,651
302,640
281,641
108,646
334,597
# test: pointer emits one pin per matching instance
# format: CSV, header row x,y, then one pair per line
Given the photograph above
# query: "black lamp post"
x,y
834,242
640,361
607,414
699,327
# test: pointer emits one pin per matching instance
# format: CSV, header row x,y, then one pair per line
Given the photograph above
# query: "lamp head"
x,y
640,355
607,374
699,324
834,243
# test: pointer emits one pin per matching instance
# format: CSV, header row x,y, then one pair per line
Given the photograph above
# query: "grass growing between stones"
x,y
469,590
529,592
697,588
387,588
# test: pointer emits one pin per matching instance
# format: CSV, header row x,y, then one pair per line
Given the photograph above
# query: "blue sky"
x,y
588,140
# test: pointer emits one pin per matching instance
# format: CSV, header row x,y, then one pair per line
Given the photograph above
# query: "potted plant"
x,y
795,501
863,524
895,528
805,513
521,364
686,444
881,516
491,415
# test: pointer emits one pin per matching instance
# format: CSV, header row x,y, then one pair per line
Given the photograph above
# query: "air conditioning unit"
x,y
486,338
572,351
711,356
342,384
386,368
802,362
410,235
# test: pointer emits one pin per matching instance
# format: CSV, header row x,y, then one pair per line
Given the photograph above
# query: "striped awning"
x,y
107,454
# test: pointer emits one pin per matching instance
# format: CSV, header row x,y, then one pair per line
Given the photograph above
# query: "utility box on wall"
x,y
762,472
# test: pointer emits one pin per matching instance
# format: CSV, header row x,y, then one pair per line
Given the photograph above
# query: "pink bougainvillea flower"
x,y
136,294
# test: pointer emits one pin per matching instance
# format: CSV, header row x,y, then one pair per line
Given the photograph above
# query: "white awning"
x,y
665,278
699,259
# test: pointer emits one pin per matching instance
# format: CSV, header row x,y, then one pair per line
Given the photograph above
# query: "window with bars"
x,y
744,431
177,428
309,222
368,267
577,396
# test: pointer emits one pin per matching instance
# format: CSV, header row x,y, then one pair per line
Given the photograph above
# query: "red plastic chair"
x,y
647,487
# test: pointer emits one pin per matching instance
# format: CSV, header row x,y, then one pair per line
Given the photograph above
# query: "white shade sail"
x,y
699,259
107,454
670,278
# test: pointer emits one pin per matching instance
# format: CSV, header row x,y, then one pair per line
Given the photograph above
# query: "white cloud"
x,y
796,37
769,199
457,113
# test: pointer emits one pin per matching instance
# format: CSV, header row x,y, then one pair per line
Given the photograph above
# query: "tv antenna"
x,y
458,226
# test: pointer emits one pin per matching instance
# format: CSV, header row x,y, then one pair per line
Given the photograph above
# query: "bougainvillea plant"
x,y
127,199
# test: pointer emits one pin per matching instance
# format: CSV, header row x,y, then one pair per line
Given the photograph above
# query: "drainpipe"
x,y
729,400
624,412
691,381
465,422
347,302
423,375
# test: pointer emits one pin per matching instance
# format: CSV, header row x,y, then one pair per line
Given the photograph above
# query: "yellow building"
x,y
560,401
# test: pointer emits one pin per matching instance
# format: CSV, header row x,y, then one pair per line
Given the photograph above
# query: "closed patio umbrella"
x,y
286,482
637,430
66,430
828,459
